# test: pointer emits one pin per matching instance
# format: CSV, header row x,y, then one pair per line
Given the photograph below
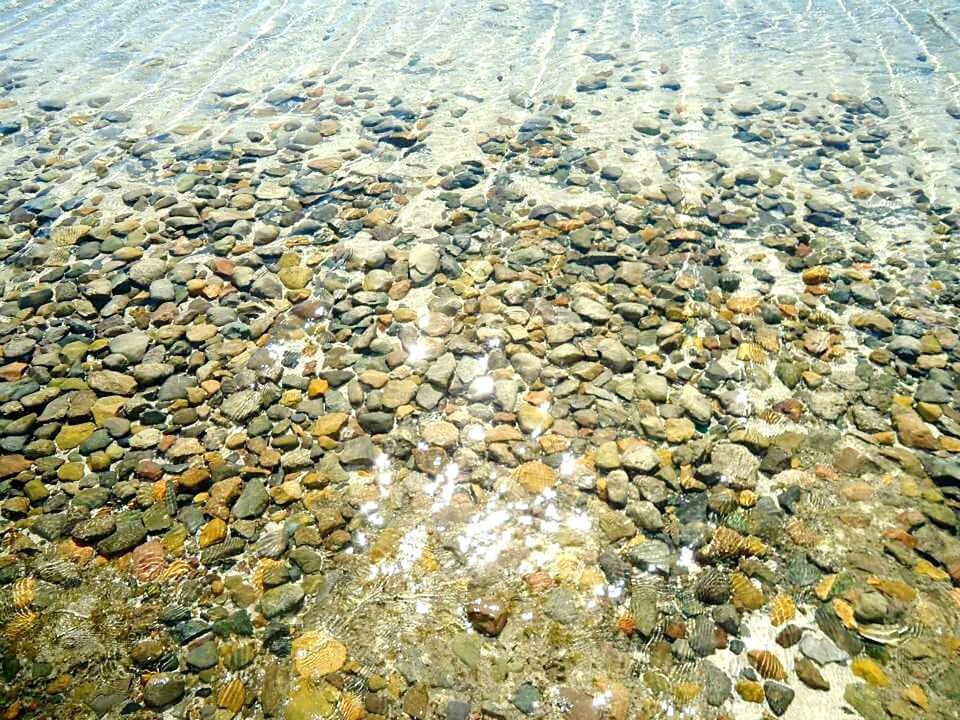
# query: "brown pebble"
x,y
810,675
487,615
789,636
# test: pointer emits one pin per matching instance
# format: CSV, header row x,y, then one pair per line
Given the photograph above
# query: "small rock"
x,y
416,701
163,690
487,615
281,600
821,649
779,696
253,500
810,675
526,699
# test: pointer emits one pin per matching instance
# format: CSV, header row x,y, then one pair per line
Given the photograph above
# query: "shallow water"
x,y
143,59
517,359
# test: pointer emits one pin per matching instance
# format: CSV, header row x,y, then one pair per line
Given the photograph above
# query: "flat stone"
x,y
203,655
416,702
717,685
639,457
145,271
914,432
71,436
533,418
779,696
865,700
128,535
253,500
873,321
329,424
241,405
810,675
526,699
591,309
295,278
131,345
163,690
281,600
822,650
536,476
441,433
357,451
398,392
736,464
110,382
695,404
13,465
424,260
653,387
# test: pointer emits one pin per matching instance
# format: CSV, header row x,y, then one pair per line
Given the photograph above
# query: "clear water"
x,y
205,72
164,62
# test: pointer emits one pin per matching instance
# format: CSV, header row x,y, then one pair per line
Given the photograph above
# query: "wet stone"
x,y
821,650
281,600
717,686
810,675
163,690
457,710
526,699
329,374
779,696
487,615
203,655
242,405
129,533
252,501
416,701
865,700
467,649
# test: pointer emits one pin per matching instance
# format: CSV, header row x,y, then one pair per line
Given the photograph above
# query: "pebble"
x,y
281,600
526,699
779,697
821,650
810,675
247,383
487,615
163,690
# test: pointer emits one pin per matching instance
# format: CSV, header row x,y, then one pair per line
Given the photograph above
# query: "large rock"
x,y
111,382
252,501
639,457
129,534
735,464
281,600
424,261
913,431
242,405
162,690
